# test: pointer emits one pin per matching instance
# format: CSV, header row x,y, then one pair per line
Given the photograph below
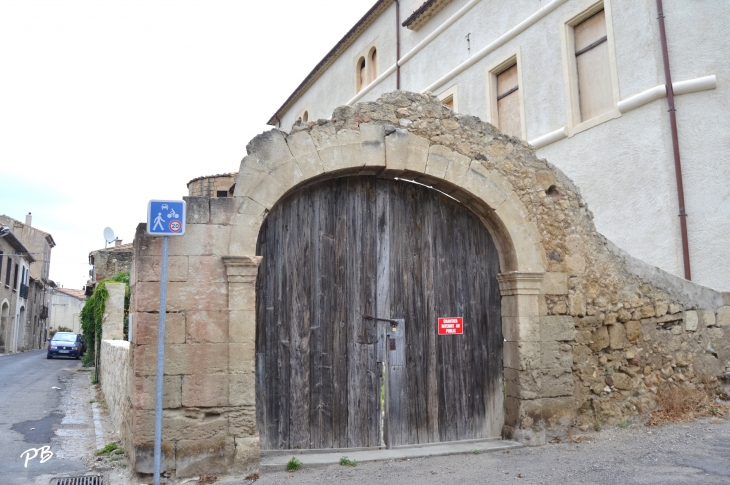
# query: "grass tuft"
x,y
345,461
293,465
108,449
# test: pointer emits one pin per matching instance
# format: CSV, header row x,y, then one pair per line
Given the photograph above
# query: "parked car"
x,y
66,344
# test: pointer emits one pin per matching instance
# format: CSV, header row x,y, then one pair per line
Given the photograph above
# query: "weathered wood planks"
x,y
340,249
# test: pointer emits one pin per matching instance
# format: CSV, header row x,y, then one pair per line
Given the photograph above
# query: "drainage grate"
x,y
83,480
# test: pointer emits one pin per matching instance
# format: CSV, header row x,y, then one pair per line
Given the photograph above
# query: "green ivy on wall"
x,y
92,315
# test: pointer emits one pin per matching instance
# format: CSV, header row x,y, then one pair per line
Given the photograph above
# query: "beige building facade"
x,y
15,261
584,82
31,331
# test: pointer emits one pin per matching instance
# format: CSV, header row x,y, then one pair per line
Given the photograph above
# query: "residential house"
x,y
40,244
15,263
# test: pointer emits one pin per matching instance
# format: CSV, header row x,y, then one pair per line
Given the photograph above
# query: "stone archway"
x,y
278,164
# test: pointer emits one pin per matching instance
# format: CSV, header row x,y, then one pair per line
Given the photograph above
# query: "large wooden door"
x,y
342,249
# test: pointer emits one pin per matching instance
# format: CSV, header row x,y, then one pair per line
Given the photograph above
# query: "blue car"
x,y
65,344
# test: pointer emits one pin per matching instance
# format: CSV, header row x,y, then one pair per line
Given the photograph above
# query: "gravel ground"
x,y
693,453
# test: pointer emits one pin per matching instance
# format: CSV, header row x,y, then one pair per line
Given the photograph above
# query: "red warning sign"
x,y
451,326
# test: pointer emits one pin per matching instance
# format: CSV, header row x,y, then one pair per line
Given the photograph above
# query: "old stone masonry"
x,y
588,330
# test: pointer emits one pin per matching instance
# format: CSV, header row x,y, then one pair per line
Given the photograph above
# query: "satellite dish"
x,y
108,235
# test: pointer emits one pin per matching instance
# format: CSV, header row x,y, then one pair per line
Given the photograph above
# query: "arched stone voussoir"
x,y
270,148
405,151
246,226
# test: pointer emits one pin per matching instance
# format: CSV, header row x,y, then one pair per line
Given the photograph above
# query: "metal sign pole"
x,y
160,361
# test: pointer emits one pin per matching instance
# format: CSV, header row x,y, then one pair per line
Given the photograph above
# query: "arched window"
x,y
305,116
362,74
373,68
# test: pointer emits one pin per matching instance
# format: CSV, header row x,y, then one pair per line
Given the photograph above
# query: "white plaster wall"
x,y
628,183
624,167
65,311
699,41
337,85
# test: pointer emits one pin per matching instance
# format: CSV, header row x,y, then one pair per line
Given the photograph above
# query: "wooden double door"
x,y
340,251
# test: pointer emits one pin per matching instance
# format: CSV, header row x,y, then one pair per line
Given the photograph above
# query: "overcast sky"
x,y
107,104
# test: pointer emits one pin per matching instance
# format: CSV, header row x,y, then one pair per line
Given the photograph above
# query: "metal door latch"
x,y
368,317
393,323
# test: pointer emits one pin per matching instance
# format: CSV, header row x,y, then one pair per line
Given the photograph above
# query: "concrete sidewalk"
x,y
278,462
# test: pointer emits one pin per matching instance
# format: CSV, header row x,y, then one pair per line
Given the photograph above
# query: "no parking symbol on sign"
x,y
451,326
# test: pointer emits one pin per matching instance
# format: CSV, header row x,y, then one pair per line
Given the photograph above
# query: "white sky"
x,y
107,104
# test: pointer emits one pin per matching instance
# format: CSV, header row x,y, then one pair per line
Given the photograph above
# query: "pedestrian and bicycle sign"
x,y
166,217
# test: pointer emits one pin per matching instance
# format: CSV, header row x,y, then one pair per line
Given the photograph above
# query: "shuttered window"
x,y
594,73
508,103
1,264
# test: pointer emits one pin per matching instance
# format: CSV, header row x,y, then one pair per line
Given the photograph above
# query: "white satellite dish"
x,y
108,235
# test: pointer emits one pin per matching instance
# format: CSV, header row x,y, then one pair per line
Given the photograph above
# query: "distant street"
x,y
29,415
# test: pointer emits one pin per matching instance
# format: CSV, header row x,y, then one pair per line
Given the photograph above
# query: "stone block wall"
x,y
115,378
209,418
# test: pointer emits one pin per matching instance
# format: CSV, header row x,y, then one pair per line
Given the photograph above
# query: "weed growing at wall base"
x,y
345,461
293,465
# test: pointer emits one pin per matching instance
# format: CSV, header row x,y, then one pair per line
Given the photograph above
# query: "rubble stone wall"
x,y
590,332
115,381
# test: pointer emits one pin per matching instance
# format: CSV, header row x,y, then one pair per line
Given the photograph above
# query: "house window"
x,y
15,280
372,65
595,91
221,193
366,69
8,271
509,120
362,74
449,99
305,116
1,264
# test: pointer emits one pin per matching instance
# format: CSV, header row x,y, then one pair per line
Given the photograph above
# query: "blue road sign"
x,y
166,217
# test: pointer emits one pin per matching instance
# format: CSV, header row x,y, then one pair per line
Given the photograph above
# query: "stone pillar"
x,y
112,327
537,360
242,272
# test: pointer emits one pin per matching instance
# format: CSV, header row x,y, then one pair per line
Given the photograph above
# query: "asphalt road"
x,y
29,409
